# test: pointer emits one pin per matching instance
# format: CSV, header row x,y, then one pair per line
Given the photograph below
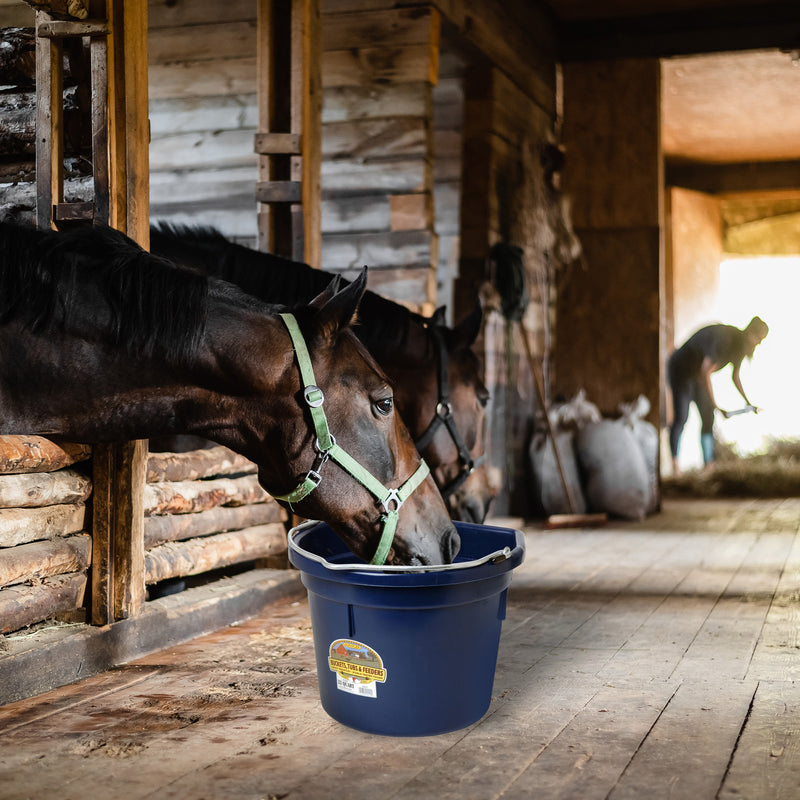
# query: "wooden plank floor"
x,y
639,660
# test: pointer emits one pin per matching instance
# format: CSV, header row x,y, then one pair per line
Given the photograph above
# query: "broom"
x,y
510,282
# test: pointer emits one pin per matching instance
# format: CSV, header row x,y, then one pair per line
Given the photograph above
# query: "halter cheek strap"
x,y
327,448
444,416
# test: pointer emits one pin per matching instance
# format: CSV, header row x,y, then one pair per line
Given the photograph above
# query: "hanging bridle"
x,y
326,448
444,416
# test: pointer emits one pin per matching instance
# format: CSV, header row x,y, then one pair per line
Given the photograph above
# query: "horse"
x,y
434,372
101,341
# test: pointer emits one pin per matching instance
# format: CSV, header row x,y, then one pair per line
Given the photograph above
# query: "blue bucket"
x,y
406,651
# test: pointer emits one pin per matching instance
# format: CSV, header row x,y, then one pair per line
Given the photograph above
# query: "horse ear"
x,y
466,332
327,293
338,311
439,316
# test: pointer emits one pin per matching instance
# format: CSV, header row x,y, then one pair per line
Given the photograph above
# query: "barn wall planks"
x,y
609,315
203,114
379,69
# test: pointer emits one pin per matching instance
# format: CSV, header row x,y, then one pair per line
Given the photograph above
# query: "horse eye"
x,y
384,406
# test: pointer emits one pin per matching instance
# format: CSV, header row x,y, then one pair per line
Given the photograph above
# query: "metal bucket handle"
x,y
494,558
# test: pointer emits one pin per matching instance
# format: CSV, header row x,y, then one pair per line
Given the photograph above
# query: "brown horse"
x,y
434,372
100,341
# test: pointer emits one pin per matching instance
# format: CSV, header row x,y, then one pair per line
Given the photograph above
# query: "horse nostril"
x,y
453,546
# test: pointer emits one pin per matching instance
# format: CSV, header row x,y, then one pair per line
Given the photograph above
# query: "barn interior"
x,y
627,148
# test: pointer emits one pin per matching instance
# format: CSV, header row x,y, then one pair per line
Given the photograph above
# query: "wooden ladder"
x,y
288,141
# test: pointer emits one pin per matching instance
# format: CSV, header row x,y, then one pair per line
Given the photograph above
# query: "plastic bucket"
x,y
406,651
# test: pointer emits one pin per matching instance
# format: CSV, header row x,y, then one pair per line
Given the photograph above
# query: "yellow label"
x,y
354,660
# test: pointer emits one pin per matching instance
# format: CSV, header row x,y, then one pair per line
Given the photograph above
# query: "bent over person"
x,y
689,372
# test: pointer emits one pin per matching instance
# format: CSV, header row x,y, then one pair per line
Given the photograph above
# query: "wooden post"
x,y
119,469
289,138
49,123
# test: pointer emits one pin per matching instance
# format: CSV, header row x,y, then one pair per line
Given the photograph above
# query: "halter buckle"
x,y
313,396
392,497
444,409
319,450
314,476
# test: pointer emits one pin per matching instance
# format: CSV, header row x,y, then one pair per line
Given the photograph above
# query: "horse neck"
x,y
83,390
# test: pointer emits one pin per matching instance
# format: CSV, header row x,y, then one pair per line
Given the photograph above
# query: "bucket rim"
x,y
495,557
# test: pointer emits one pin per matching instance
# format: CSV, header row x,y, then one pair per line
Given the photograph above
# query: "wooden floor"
x,y
639,660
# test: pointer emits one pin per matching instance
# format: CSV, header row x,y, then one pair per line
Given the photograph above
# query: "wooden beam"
x,y
49,125
749,27
60,30
278,143
279,192
290,104
752,176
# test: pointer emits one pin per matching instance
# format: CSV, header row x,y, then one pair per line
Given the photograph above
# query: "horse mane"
x,y
144,303
385,324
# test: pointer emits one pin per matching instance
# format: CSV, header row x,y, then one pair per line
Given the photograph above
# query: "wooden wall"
x,y
379,68
203,114
695,235
609,312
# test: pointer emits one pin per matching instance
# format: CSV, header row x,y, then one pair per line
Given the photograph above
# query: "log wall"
x,y
45,541
205,510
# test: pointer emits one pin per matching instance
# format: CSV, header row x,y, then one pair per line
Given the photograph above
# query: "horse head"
x,y
456,402
352,461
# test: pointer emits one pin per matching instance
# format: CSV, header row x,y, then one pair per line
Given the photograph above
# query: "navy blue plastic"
x,y
437,632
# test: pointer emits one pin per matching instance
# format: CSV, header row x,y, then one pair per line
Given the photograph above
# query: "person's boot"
x,y
707,446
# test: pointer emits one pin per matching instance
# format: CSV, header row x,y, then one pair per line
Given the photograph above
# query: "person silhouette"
x,y
689,371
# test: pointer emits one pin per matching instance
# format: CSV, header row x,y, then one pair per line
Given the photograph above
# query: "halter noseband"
x,y
326,448
444,416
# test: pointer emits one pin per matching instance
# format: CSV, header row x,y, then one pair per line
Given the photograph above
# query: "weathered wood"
x,y
196,464
49,119
21,606
231,76
76,9
391,250
390,175
367,138
183,497
20,525
283,143
233,148
43,489
212,552
390,28
355,213
367,66
410,212
182,15
278,192
175,527
37,454
349,103
66,29
32,562
208,41
187,114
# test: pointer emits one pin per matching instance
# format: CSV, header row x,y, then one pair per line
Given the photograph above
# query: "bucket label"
x,y
359,669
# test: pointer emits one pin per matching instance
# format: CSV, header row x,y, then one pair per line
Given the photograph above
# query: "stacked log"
x,y
205,510
45,547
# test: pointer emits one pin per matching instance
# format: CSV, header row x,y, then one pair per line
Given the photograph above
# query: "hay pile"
x,y
772,473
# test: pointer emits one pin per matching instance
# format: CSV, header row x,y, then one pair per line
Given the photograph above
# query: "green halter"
x,y
326,447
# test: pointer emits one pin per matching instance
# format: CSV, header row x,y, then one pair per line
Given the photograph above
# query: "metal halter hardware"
x,y
444,416
327,448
